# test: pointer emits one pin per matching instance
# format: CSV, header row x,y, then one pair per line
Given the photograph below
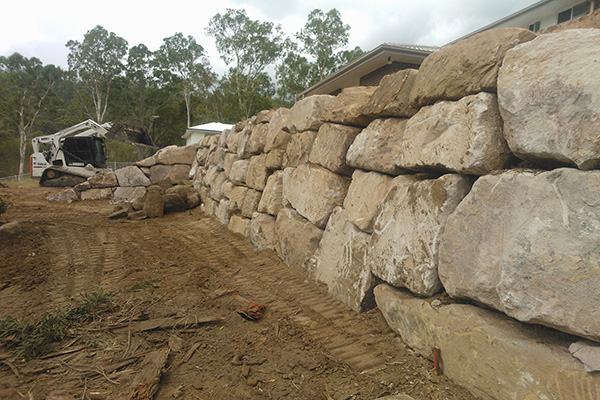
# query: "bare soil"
x,y
187,267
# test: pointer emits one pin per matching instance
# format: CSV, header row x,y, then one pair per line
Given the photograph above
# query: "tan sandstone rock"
x,y
272,197
257,172
331,145
392,97
263,233
298,238
346,108
365,198
177,155
308,114
239,224
298,148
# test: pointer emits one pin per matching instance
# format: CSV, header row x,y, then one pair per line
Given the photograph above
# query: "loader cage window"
x,y
84,150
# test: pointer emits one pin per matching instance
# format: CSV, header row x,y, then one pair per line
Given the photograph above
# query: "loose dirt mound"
x,y
176,284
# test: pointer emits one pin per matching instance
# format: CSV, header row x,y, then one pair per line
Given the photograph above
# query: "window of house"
x,y
576,11
535,26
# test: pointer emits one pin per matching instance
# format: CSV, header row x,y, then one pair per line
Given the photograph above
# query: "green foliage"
x,y
4,205
33,339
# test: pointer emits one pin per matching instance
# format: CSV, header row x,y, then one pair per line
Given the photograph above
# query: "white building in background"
x,y
195,134
541,15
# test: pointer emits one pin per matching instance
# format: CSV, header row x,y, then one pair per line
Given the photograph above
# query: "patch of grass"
x,y
33,338
142,285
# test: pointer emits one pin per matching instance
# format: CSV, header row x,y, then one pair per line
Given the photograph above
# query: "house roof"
x,y
379,56
210,128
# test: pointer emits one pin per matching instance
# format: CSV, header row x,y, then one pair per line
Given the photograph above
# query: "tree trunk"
x,y
22,149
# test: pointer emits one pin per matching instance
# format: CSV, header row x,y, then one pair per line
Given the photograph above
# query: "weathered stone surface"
x,y
103,180
217,157
164,184
298,238
147,162
230,158
227,188
223,138
181,190
146,171
154,204
131,176
222,212
209,206
138,204
96,194
314,192
406,234
239,224
392,97
341,262
377,146
216,187
118,214
243,147
488,354
467,67
264,116
128,194
331,145
177,173
257,139
82,187
65,195
588,353
551,107
526,244
365,197
251,203
257,172
276,137
275,159
12,228
173,203
462,136
299,148
237,197
232,141
238,171
176,155
272,197
346,107
262,232
137,215
308,114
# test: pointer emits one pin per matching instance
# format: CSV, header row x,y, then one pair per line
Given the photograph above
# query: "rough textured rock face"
x,y
251,203
173,203
262,232
243,147
237,197
238,171
331,145
209,206
232,141
230,158
276,137
104,180
550,107
128,194
275,159
462,136
272,201
177,173
308,114
257,172
341,262
406,234
346,107
527,245
257,140
96,194
217,157
376,147
264,116
588,353
65,195
222,212
392,97
147,162
131,176
467,67
223,138
154,204
177,155
216,186
314,192
299,148
298,238
239,225
491,356
365,196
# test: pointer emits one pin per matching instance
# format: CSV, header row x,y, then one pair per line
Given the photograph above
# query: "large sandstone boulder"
x,y
341,262
173,203
154,204
462,136
177,173
308,114
264,116
551,107
103,180
239,224
276,137
96,194
251,203
331,145
177,155
490,355
346,107
275,159
237,174
263,233
257,172
298,238
237,197
392,97
147,162
65,195
377,146
232,141
298,148
257,139
526,244
222,212
132,176
406,234
228,161
314,192
128,194
365,198
466,67
272,197
216,186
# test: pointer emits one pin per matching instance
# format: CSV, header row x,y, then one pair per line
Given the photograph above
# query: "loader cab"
x,y
83,150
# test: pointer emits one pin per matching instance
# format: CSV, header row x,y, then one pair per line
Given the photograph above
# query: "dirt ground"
x,y
174,274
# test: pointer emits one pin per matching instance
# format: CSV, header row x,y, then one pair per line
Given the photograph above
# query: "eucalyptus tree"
x,y
249,47
96,63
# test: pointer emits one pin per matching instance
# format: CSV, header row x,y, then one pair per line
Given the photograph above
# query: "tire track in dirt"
x,y
262,275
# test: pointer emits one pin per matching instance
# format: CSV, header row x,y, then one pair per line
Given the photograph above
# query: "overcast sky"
x,y
42,28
